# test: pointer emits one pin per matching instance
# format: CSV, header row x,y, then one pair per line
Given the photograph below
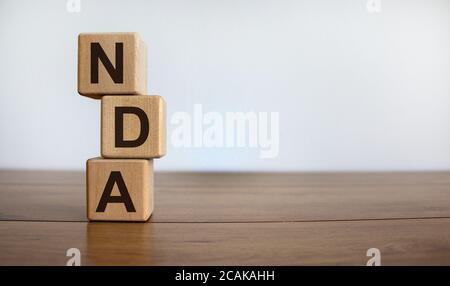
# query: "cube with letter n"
x,y
111,63
113,67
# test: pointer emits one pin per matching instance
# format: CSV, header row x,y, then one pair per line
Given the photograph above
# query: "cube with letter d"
x,y
133,126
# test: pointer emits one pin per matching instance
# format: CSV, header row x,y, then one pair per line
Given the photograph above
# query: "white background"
x,y
355,90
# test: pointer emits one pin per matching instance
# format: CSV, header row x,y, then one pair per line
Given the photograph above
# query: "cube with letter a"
x,y
119,189
111,63
133,127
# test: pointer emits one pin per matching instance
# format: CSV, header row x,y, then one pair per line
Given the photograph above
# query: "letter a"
x,y
115,177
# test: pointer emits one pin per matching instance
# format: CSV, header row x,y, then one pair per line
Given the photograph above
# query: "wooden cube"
x,y
133,127
119,189
111,63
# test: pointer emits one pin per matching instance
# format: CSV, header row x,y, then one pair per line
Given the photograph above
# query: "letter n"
x,y
97,53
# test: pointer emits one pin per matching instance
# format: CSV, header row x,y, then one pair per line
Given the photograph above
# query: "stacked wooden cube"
x,y
112,67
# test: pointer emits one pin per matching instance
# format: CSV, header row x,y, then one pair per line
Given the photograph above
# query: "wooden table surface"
x,y
234,219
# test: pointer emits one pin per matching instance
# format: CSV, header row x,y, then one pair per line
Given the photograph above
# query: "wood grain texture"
x,y
401,242
133,185
134,64
234,219
241,179
152,146
177,202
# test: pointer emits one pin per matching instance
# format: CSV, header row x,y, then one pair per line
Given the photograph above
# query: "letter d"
x,y
143,134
